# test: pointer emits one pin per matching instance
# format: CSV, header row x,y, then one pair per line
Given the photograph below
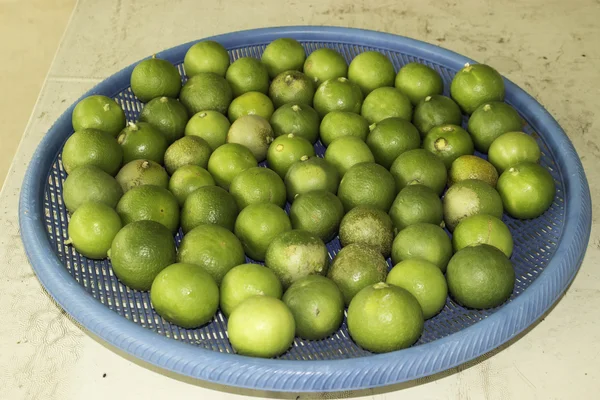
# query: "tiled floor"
x,y
30,31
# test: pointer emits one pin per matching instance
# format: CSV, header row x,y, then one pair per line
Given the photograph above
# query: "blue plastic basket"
x,y
548,252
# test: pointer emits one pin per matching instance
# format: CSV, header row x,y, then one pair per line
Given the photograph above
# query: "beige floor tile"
x,y
31,31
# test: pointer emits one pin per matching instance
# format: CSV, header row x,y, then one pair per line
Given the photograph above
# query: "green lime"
x,y
434,111
417,81
369,226
292,87
206,56
482,229
480,277
367,184
527,190
247,280
247,74
318,212
187,179
355,267
295,254
189,150
311,174
338,94
323,64
152,203
386,102
257,225
142,172
227,161
167,115
391,137
286,150
338,124
261,326
209,205
347,151
98,112
384,318
212,247
185,295
470,197
153,78
415,204
299,119
250,103
90,183
283,54
317,305
472,167
142,141
206,91
253,132
92,147
422,167
258,185
512,148
371,70
448,142
489,121
475,85
423,280
426,241
92,228
211,126
139,251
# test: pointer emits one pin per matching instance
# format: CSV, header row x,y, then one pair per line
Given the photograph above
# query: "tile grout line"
x,y
37,101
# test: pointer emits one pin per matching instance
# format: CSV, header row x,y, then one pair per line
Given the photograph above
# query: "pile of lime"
x,y
222,155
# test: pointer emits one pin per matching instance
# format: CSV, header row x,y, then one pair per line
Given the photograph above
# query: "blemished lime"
x,y
90,183
424,280
185,294
213,248
527,190
247,280
448,142
92,147
317,305
253,132
98,112
383,318
323,64
470,197
422,167
369,226
167,115
417,81
472,167
318,212
261,326
355,267
480,277
283,54
211,126
142,172
291,87
206,56
482,229
189,150
209,205
286,150
426,241
153,78
92,228
140,251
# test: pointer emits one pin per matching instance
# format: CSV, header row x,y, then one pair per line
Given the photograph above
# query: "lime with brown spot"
x,y
448,142
142,172
472,167
291,87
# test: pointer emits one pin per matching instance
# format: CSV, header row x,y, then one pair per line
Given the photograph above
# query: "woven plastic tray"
x,y
548,252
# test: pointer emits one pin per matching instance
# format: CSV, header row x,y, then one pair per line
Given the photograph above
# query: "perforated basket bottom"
x,y
535,244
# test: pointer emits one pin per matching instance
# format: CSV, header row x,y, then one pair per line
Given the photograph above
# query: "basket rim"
x,y
313,376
